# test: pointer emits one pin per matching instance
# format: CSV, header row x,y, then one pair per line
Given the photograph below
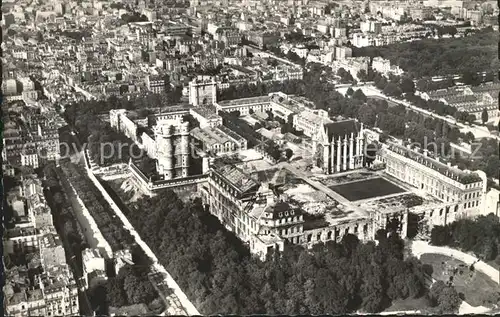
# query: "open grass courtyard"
x,y
477,288
370,188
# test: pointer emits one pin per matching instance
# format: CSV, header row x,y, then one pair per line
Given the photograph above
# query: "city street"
x,y
371,91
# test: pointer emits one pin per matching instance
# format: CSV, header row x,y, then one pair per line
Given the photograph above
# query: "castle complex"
x,y
269,205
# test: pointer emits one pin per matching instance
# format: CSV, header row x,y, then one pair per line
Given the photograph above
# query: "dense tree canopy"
x,y
133,17
482,236
345,76
484,116
131,286
110,226
431,57
444,298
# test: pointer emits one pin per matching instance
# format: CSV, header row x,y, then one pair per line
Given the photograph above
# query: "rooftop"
x,y
314,117
235,176
132,310
21,232
244,101
454,99
488,87
90,254
448,171
210,136
341,128
269,239
50,240
231,133
17,298
206,112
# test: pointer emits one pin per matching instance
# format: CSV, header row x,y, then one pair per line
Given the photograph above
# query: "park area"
x,y
474,287
370,188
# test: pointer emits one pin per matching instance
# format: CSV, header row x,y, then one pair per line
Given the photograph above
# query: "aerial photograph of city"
x,y
250,157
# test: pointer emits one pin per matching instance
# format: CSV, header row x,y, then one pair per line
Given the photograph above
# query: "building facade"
x,y
202,91
339,146
266,220
435,178
173,149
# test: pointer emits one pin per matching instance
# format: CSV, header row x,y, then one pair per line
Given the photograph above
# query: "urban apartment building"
x,y
384,66
155,84
310,122
32,140
52,291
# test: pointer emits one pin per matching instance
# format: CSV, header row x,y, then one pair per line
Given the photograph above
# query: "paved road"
x,y
172,303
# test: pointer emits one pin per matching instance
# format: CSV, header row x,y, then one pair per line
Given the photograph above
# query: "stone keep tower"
x,y
183,156
172,143
202,90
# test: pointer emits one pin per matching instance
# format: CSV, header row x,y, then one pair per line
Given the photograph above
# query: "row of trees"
x,y
396,120
403,123
427,84
246,90
131,286
324,96
481,236
111,227
133,17
290,55
82,114
217,272
399,87
107,146
78,36
485,157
